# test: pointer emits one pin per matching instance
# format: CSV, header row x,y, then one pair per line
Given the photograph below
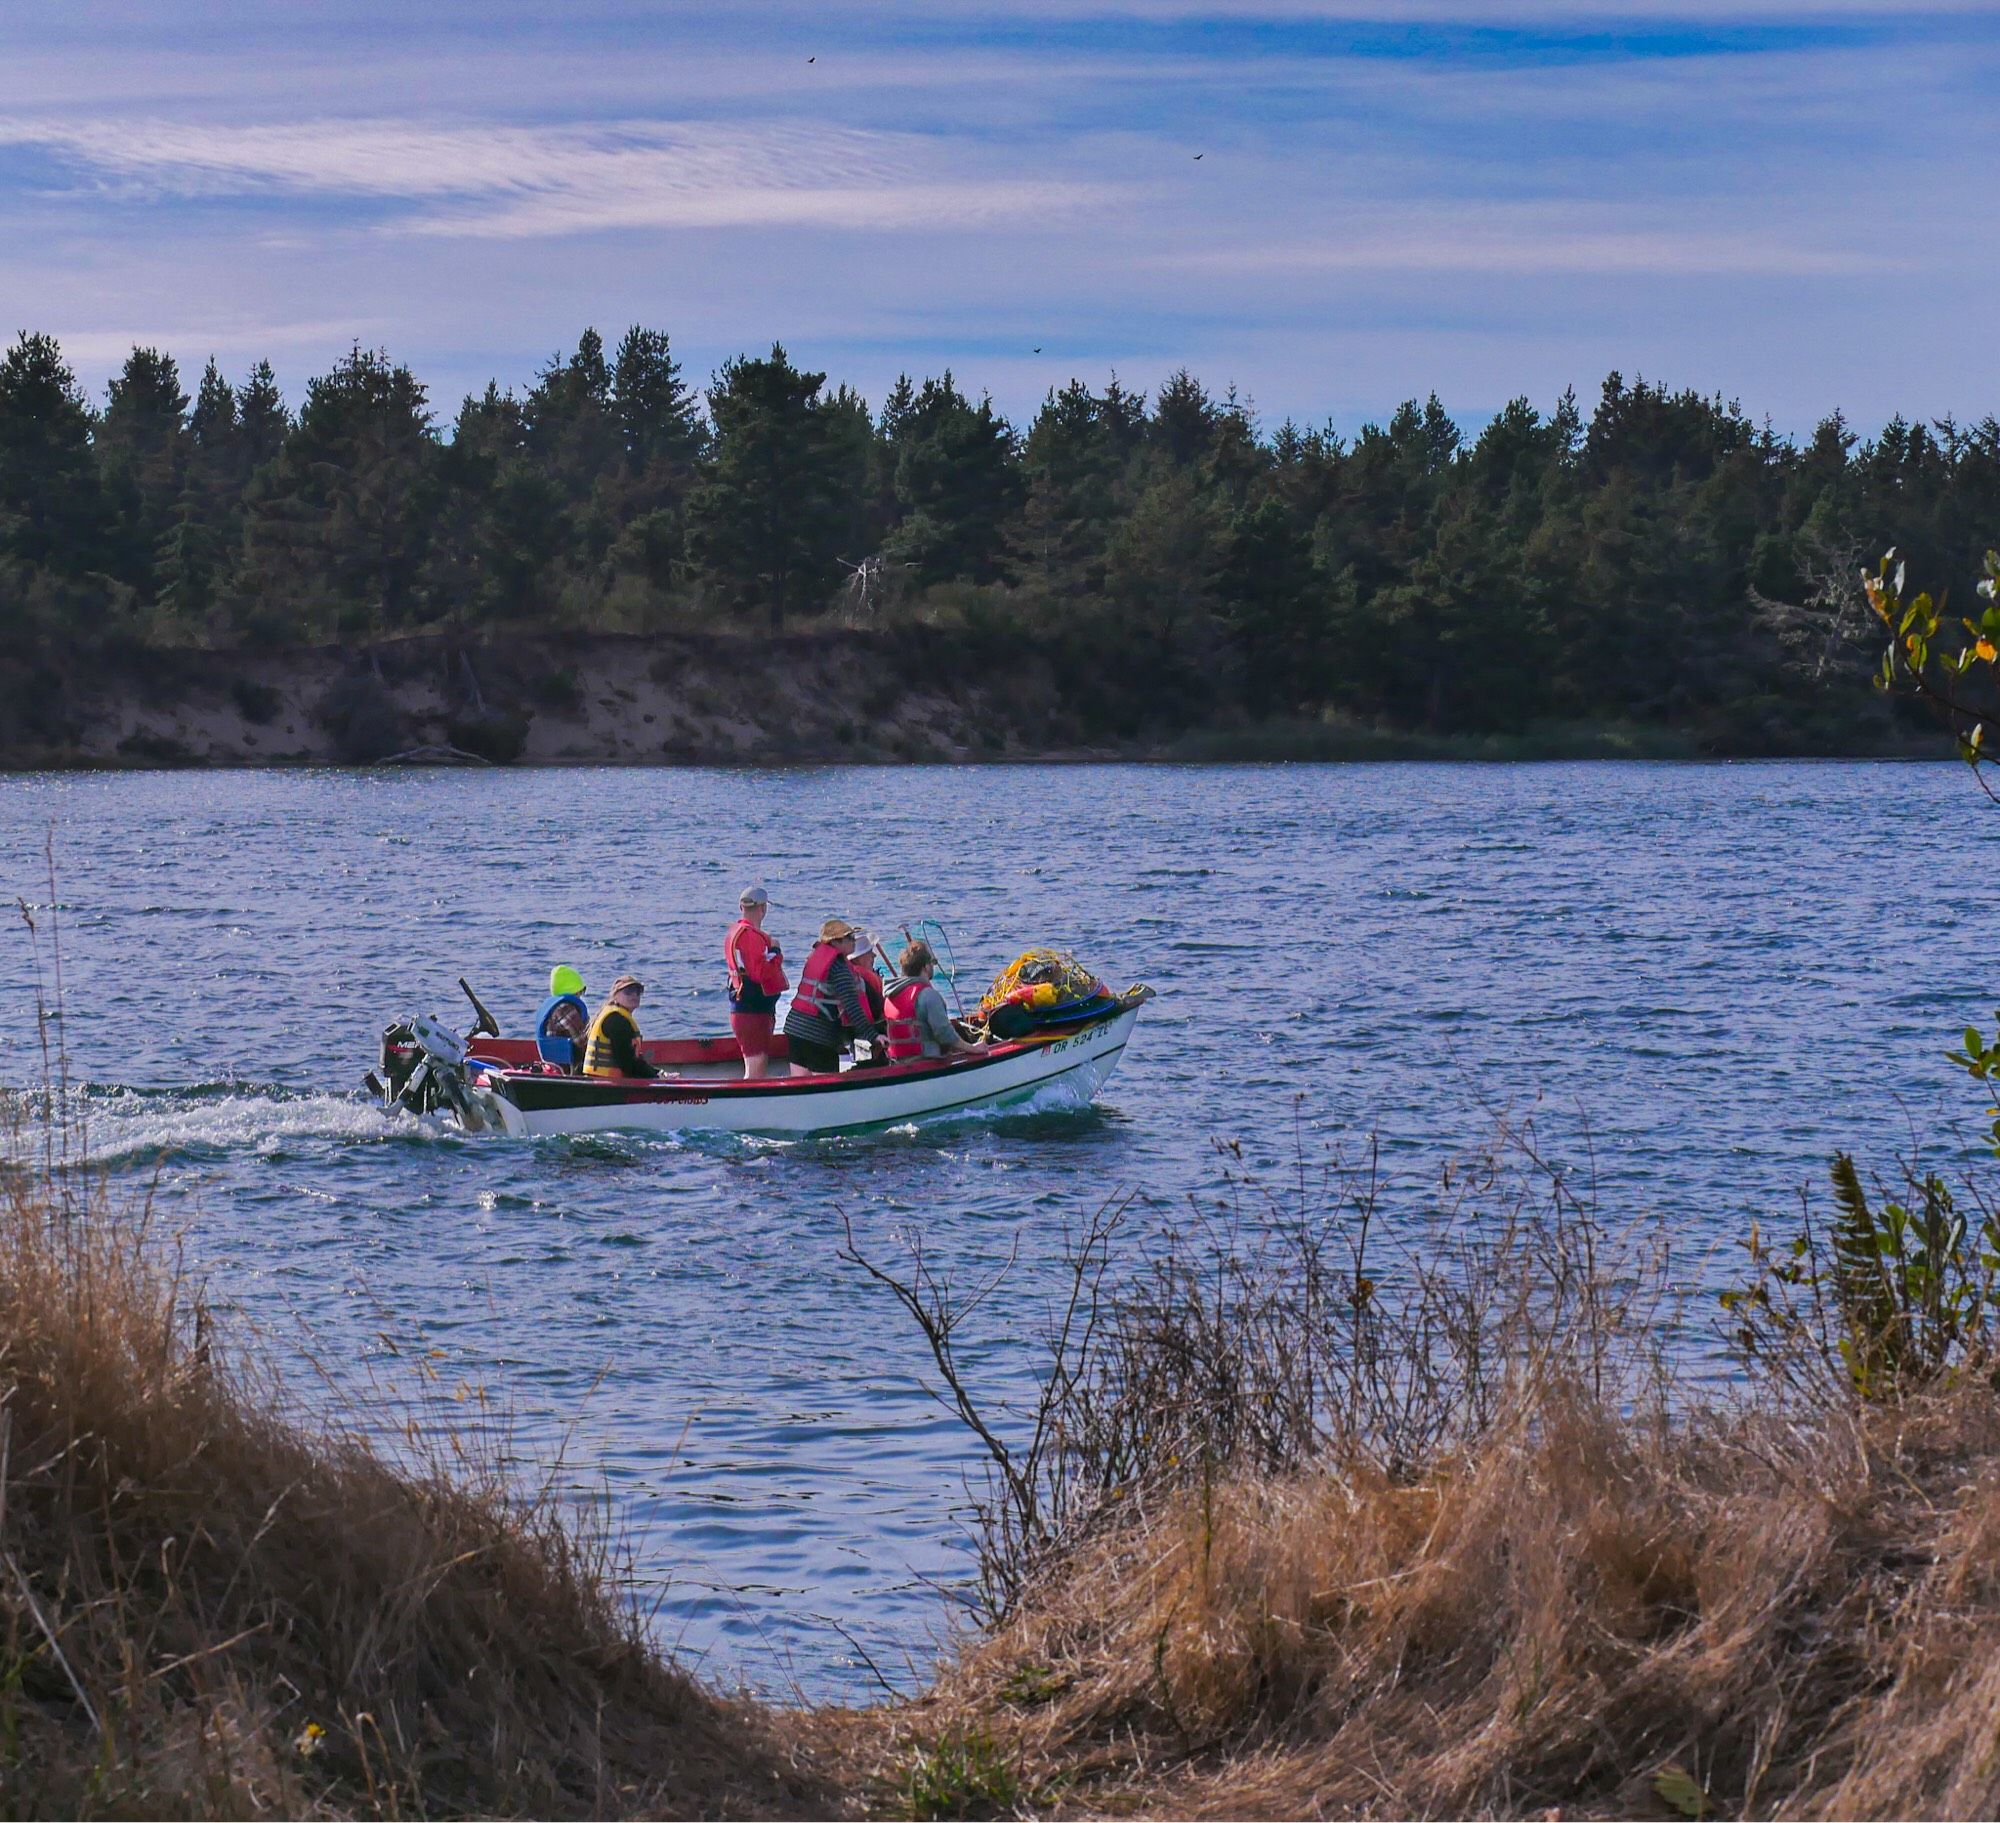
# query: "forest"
x,y
1662,559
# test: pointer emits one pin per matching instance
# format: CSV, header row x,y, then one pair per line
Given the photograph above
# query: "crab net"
x,y
1041,987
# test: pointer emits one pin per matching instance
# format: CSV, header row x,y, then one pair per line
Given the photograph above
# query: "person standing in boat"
x,y
829,1006
613,1047
920,1025
757,977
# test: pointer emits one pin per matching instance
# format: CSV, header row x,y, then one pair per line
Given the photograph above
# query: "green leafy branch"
x,y
1900,1294
1955,678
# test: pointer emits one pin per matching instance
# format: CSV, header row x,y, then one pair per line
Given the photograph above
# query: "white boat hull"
x,y
1074,1067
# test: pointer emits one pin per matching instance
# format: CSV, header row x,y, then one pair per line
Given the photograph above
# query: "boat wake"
x,y
113,1126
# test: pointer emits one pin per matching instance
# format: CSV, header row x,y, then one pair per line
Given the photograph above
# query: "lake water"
x,y
1727,970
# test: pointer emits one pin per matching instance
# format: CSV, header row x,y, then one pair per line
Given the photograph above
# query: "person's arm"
x,y
771,969
847,990
934,1023
625,1050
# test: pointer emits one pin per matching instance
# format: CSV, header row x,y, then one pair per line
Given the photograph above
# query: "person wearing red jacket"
x,y
829,1008
757,977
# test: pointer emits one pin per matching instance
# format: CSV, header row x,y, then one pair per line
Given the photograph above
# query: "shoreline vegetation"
x,y
612,565
722,700
1335,1526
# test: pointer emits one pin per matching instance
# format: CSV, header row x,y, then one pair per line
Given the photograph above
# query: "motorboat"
x,y
485,1082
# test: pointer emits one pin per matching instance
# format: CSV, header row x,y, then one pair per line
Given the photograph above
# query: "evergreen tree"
x,y
1162,568
781,499
1670,560
503,524
1272,601
655,410
339,525
188,569
1184,421
570,424
51,509
213,426
956,484
142,455
262,418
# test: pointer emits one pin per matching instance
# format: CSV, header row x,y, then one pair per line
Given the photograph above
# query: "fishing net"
x,y
1043,981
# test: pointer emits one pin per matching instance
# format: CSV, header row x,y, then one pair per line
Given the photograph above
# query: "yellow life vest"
x,y
599,1059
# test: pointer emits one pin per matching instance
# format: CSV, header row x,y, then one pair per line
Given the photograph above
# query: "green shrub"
x,y
558,690
362,719
149,749
501,735
958,1775
256,703
1895,1295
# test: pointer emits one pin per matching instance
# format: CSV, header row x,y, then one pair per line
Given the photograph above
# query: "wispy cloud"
x,y
1525,240
1486,200
513,182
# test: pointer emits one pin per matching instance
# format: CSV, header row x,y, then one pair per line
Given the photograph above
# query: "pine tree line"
x,y
1666,560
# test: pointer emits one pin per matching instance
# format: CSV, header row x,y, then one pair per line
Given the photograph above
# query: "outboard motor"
x,y
423,1070
444,1054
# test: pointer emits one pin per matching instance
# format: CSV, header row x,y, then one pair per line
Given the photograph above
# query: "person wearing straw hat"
x,y
829,1006
613,1048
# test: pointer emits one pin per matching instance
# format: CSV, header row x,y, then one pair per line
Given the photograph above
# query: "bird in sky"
x,y
812,59
1038,348
1199,156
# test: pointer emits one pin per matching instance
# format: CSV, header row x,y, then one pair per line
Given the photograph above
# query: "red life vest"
x,y
814,996
764,979
870,984
906,1035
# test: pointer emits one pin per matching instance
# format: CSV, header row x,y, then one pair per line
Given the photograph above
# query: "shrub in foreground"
x,y
1339,1505
205,1610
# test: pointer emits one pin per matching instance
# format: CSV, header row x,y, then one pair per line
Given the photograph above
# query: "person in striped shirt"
x,y
829,1008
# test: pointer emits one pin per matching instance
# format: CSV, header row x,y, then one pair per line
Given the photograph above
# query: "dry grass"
x,y
1791,1608
1430,1530
1578,1616
205,1610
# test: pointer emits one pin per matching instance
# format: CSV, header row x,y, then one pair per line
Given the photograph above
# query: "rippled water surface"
x,y
1727,969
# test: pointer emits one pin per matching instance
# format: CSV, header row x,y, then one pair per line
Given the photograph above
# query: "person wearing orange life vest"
x,y
919,1025
829,1005
757,977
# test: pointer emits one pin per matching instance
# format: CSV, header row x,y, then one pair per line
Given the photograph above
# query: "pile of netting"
x,y
1041,987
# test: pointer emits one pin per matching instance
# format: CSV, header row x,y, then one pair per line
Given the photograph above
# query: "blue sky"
x,y
1796,205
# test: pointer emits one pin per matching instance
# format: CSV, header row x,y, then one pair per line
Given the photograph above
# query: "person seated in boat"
x,y
564,1021
757,977
613,1048
874,990
829,1007
864,964
920,1025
